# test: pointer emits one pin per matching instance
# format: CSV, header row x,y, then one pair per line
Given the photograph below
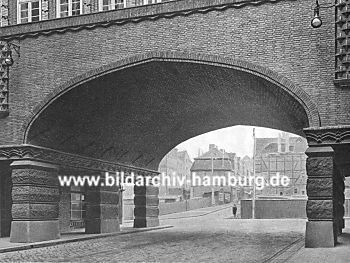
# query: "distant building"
x,y
284,155
176,164
347,187
219,163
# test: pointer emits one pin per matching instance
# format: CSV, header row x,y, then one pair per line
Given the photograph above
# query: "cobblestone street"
x,y
204,235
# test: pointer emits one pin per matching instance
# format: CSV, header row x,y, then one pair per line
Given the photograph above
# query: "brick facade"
x,y
243,33
112,85
49,9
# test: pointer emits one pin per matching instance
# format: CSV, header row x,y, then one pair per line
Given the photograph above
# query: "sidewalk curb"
x,y
77,239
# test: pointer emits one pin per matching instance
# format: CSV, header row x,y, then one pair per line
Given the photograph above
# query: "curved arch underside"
x,y
136,115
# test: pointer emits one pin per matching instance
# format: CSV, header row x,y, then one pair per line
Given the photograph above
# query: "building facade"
x,y
14,12
175,164
285,156
219,163
169,68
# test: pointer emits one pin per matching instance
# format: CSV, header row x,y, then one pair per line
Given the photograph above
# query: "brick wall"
x,y
169,208
89,6
64,209
289,208
277,36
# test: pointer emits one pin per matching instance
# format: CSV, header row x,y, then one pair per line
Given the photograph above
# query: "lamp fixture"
x,y
9,59
316,21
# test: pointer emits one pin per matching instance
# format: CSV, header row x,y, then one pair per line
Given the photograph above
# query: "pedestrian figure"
x,y
234,210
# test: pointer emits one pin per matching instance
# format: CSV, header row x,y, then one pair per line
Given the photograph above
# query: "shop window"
x,y
78,207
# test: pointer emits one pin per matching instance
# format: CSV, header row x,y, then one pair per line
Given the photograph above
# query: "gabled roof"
x,y
215,158
214,152
184,155
206,164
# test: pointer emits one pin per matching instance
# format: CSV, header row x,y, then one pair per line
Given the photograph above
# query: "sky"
x,y
237,139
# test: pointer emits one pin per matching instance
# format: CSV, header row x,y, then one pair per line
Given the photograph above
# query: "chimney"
x,y
279,141
212,147
287,142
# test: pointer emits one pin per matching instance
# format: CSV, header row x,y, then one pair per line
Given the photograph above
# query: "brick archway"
x,y
208,80
240,91
285,84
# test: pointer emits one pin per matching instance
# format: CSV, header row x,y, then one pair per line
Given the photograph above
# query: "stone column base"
x,y
145,222
319,234
34,231
146,210
99,226
102,210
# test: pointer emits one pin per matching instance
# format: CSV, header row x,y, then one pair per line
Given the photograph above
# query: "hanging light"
x,y
7,53
9,60
316,22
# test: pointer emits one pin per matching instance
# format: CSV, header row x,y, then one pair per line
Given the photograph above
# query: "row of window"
x,y
30,10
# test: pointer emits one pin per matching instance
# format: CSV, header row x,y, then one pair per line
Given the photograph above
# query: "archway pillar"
x,y
343,163
321,228
146,201
329,147
102,209
35,197
34,173
5,198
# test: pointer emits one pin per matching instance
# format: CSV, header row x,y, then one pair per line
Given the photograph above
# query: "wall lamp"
x,y
316,22
11,46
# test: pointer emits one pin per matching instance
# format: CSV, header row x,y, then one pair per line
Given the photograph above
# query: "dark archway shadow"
x,y
135,115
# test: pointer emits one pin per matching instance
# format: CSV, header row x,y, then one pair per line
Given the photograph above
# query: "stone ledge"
x,y
27,163
27,152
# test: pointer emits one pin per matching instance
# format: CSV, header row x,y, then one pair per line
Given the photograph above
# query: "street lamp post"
x,y
212,187
254,189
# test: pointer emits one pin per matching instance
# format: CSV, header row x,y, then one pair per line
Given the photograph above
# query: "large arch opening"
x,y
135,111
137,114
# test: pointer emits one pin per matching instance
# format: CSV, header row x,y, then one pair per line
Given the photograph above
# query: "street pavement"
x,y
204,235
338,254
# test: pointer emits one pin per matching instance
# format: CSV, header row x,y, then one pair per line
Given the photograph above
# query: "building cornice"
x,y
153,12
330,135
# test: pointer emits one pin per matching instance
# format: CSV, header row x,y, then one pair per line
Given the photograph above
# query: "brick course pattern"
x,y
275,35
